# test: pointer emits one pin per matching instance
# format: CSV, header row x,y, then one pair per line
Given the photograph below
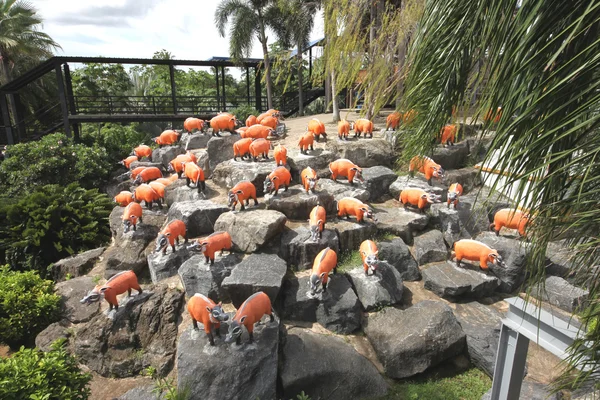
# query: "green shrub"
x,y
118,140
54,159
27,306
52,223
243,112
33,374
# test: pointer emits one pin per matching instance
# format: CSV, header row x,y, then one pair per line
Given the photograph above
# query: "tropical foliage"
x,y
116,139
541,63
27,306
34,374
51,223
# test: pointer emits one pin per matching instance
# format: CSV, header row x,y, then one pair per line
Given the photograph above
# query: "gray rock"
x,y
448,221
141,333
430,247
469,129
229,173
163,266
447,280
158,165
199,277
152,220
141,393
300,252
529,391
382,289
562,294
71,292
165,154
297,204
476,209
481,324
468,177
202,159
452,157
418,182
378,180
514,254
229,371
364,152
400,222
256,273
351,234
250,230
220,149
430,334
340,190
311,364
559,257
77,265
338,310
318,160
397,254
178,191
199,216
54,332
194,140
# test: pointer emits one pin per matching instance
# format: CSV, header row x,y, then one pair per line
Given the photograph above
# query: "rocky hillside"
x,y
419,311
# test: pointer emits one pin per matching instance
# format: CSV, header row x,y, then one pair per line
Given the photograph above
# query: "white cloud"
x,y
131,28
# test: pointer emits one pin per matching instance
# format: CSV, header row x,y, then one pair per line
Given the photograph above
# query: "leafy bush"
x,y
54,159
51,223
243,112
33,374
118,140
27,306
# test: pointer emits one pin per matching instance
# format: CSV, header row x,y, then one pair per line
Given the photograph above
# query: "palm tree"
x,y
249,19
542,64
20,40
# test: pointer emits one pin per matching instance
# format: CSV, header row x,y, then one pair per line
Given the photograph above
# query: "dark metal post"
x,y
63,98
17,110
218,89
223,85
71,97
6,119
173,88
248,85
257,90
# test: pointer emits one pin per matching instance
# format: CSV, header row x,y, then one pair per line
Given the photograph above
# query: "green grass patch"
x,y
348,261
468,385
384,236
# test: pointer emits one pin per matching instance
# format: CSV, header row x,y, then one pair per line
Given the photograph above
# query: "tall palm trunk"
x,y
263,41
300,83
336,108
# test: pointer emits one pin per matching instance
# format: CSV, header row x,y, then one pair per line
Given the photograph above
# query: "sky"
x,y
138,28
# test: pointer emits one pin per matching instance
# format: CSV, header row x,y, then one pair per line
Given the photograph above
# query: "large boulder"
x,y
530,391
54,332
71,292
318,160
447,220
562,294
559,257
147,164
468,177
297,204
179,191
165,154
448,281
476,209
300,252
229,371
452,157
481,324
430,334
250,230
199,277
146,392
194,140
256,273
340,190
396,253
311,364
400,222
364,153
378,180
152,220
199,216
142,333
374,291
404,182
514,254
430,247
77,265
220,149
229,173
337,310
351,234
163,266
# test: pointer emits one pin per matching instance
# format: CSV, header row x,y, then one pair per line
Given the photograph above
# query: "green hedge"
x,y
27,306
35,375
118,140
52,223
